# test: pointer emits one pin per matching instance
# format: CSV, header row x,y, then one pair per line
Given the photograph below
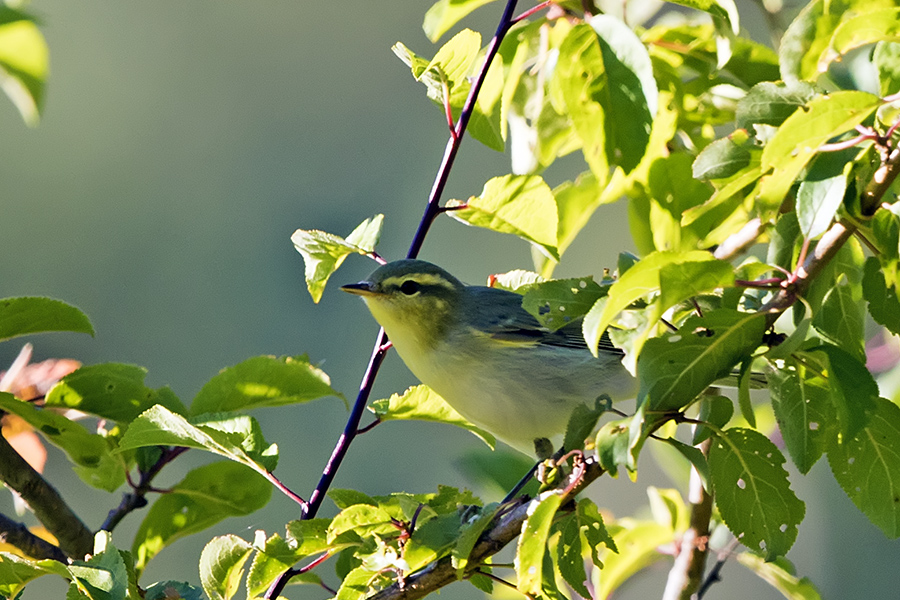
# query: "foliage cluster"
x,y
761,197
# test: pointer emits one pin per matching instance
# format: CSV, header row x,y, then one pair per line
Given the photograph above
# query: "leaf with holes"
x,y
533,544
801,399
556,303
675,368
867,466
752,491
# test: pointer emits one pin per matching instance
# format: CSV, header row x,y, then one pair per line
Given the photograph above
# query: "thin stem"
x,y
453,144
532,11
713,575
286,490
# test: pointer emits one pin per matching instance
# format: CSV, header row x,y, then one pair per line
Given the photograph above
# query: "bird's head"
x,y
411,299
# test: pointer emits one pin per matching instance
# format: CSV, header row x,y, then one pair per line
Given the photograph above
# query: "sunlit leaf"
x,y
324,252
237,437
533,545
222,566
781,575
419,403
444,14
24,62
263,381
771,103
111,391
558,302
859,30
522,205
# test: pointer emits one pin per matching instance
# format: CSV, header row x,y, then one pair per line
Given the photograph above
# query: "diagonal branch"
x,y
16,534
75,539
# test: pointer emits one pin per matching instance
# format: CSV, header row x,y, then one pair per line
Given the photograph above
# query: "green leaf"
x,y
444,14
22,316
419,403
166,590
363,519
723,158
111,391
204,497
24,63
859,30
558,302
641,280
643,539
801,399
16,572
522,205
324,252
104,575
263,381
781,575
745,377
582,422
631,94
468,536
886,60
867,466
590,523
724,9
222,566
576,202
581,80
771,103
799,137
810,33
715,410
310,536
532,545
853,389
236,437
694,456
570,555
675,368
883,303
752,491
821,193
840,320
93,455
271,560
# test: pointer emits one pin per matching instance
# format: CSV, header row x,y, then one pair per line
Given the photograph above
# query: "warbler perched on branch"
x,y
487,357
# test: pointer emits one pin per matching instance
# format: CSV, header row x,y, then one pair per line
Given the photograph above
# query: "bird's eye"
x,y
410,287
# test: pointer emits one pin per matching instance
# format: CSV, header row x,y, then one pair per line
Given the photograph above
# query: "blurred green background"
x,y
183,142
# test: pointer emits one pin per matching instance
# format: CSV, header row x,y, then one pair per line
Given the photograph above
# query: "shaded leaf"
x,y
22,316
752,491
771,103
675,368
558,302
867,466
882,299
801,399
723,158
95,461
204,497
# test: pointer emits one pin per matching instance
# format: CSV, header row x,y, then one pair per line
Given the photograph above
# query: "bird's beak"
x,y
363,288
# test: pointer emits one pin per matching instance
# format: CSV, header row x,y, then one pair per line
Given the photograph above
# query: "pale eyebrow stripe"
x,y
427,279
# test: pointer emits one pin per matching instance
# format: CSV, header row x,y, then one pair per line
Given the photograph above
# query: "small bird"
x,y
491,360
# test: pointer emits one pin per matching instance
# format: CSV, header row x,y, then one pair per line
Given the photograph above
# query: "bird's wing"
x,y
506,320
